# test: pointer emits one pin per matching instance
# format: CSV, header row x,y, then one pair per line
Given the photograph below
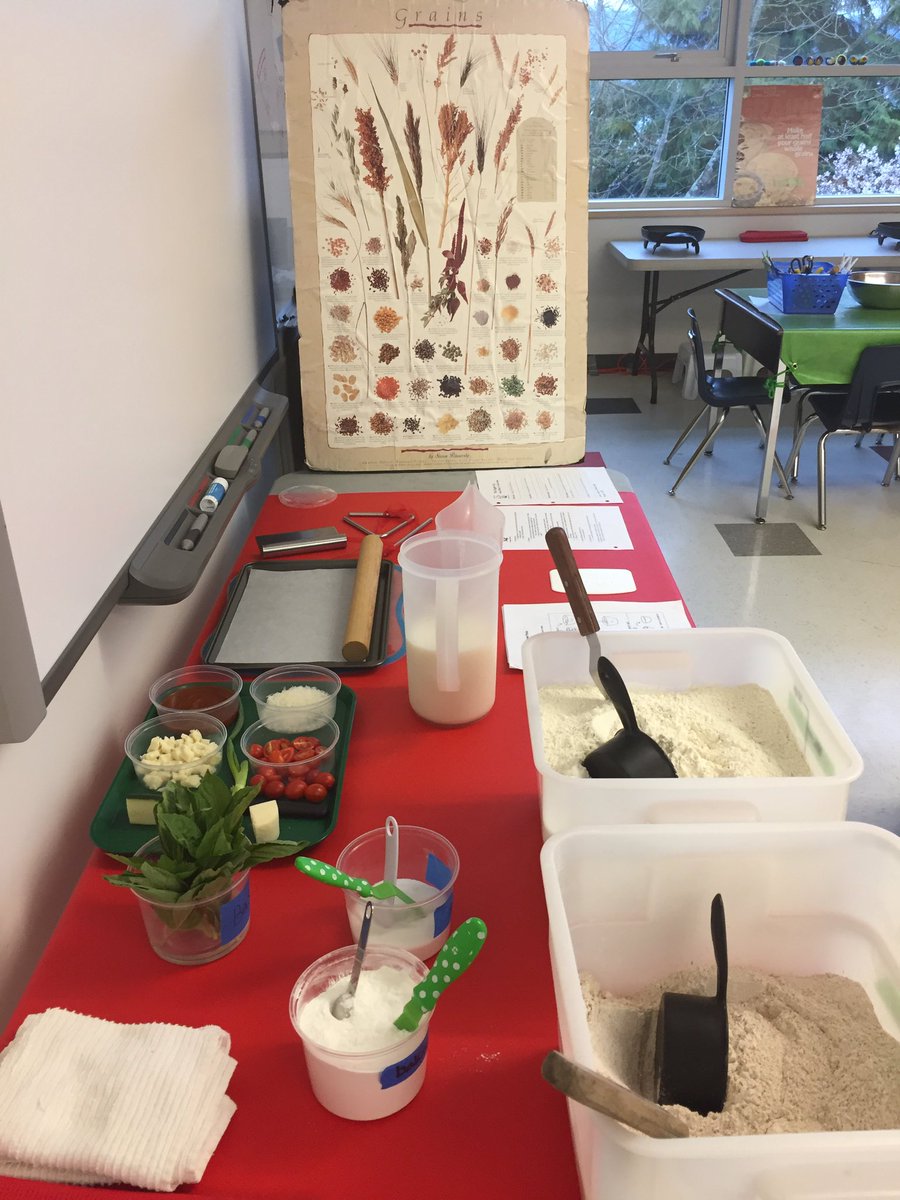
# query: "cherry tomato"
x,y
299,771
305,755
273,747
294,789
255,750
268,772
281,756
315,792
304,743
273,788
325,778
255,779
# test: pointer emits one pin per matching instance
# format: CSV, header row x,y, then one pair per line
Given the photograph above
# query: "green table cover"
x,y
824,350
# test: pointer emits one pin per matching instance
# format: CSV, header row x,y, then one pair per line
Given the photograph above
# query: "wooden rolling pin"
x,y
358,633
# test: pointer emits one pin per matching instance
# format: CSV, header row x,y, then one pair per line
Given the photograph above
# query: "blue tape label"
x,y
234,914
438,874
399,1071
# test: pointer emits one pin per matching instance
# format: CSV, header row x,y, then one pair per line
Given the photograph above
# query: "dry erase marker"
x,y
212,497
192,537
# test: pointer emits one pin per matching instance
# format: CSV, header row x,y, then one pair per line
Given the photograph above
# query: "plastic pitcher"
x,y
472,511
450,588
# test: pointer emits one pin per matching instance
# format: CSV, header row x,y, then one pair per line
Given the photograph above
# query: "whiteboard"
x,y
136,301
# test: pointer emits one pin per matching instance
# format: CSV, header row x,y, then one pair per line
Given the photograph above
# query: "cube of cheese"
x,y
141,809
265,821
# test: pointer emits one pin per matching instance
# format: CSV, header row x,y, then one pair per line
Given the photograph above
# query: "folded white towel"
x,y
84,1100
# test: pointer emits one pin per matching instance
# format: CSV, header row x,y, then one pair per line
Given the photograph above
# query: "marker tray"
x,y
300,821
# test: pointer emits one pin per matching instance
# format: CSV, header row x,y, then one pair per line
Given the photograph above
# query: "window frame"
x,y
728,61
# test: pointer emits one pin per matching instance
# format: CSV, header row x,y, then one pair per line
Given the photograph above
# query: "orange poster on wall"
x,y
778,146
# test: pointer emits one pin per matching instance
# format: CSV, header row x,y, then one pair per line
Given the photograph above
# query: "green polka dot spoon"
x,y
328,874
458,952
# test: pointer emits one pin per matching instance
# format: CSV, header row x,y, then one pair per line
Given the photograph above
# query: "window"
x,y
666,82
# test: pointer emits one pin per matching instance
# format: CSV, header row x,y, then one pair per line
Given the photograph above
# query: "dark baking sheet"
x,y
215,649
300,822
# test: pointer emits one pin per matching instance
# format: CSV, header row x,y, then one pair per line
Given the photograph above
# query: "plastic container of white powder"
x,y
676,661
628,905
295,699
362,1068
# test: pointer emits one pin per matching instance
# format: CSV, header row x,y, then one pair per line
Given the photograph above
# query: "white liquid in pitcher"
x,y
477,676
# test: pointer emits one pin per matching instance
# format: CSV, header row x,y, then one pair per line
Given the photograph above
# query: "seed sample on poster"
x,y
440,191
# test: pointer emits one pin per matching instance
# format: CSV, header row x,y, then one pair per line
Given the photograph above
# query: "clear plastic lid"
x,y
306,495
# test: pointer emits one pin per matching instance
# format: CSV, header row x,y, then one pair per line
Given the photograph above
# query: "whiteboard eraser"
x,y
230,459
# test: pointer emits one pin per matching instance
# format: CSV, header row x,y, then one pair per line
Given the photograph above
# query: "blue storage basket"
x,y
810,294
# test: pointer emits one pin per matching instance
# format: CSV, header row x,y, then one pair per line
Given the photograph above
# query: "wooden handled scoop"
x,y
610,1098
358,633
630,753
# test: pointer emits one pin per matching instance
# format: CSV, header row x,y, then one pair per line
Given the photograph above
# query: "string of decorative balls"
x,y
813,60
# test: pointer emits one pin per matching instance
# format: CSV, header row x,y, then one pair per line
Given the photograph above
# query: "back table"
x,y
733,257
484,1122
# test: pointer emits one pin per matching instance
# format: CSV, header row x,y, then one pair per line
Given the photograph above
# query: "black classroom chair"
x,y
869,404
723,395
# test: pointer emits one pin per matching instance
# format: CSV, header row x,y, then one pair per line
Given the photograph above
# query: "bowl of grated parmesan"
x,y
295,698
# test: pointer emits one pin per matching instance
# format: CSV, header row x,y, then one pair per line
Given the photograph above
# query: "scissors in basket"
x,y
801,266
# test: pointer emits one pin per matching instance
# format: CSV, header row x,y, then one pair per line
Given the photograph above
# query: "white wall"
x,y
51,785
614,304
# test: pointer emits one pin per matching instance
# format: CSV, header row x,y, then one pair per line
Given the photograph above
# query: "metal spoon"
x,y
342,1005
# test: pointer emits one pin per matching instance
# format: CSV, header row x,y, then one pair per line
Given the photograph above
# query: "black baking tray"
x,y
378,643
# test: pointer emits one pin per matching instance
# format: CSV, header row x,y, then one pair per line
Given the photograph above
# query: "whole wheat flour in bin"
x,y
806,1053
715,732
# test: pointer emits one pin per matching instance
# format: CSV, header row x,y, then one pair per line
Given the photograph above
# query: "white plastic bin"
x,y
675,661
630,904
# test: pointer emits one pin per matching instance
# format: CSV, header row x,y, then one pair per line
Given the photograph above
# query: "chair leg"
x,y
821,477
685,434
893,467
776,462
723,413
793,461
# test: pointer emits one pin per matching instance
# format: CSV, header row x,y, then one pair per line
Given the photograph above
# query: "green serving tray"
x,y
111,830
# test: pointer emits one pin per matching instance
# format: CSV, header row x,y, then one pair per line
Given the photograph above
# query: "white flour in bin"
x,y
707,732
806,1053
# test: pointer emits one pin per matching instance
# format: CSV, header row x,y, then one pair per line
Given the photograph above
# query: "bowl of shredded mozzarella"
x,y
176,748
296,698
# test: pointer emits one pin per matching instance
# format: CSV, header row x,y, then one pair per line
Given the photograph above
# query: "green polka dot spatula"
x,y
458,952
328,874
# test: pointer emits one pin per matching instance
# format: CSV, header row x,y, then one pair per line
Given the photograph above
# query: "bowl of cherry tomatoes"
x,y
298,767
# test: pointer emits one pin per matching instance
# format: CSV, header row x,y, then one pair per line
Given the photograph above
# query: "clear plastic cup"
x,y
450,593
201,688
427,868
361,1085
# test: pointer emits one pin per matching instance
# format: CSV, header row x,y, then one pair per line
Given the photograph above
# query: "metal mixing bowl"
x,y
875,289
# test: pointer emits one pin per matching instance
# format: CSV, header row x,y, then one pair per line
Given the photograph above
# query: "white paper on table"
x,y
549,485
598,581
521,621
588,527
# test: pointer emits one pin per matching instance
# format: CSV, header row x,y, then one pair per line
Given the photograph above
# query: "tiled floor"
x,y
833,593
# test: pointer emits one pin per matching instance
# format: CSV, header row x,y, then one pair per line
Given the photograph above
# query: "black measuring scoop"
x,y
691,1066
630,753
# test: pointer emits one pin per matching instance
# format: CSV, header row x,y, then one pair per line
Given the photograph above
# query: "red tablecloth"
x,y
484,1122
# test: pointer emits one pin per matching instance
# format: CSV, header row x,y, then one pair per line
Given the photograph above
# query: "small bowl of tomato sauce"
x,y
289,765
212,690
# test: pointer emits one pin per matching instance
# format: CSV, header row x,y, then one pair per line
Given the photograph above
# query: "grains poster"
x,y
778,146
443,311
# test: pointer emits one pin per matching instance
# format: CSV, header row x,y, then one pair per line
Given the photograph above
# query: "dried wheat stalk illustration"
x,y
480,156
387,55
499,239
416,207
376,175
454,127
444,59
350,144
405,241
504,139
